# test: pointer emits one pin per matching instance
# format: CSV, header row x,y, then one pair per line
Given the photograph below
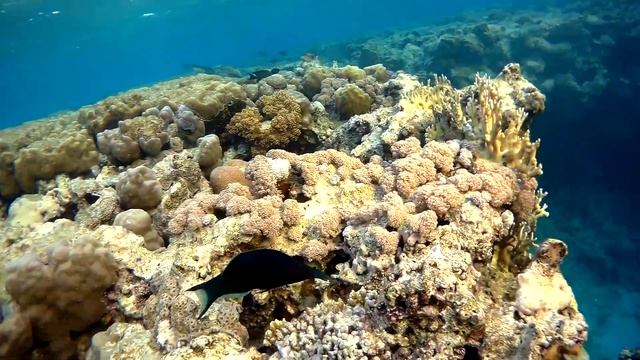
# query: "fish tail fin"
x,y
207,293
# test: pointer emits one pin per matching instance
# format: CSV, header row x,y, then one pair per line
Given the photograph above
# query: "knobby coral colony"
x,y
422,199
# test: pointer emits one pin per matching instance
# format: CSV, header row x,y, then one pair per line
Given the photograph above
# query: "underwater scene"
x,y
319,179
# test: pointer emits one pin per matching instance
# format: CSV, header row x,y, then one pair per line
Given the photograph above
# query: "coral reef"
x,y
421,201
139,188
139,222
275,123
56,297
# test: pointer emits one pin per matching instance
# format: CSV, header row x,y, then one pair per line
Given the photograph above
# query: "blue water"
x,y
91,49
61,55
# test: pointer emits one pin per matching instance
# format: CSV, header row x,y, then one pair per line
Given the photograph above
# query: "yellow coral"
x,y
351,100
280,125
510,144
441,105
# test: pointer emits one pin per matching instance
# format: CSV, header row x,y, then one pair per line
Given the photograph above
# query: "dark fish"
x,y
261,269
282,53
309,56
261,74
262,53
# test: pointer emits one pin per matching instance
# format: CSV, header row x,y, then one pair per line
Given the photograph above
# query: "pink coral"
x,y
263,179
326,225
496,185
439,198
404,148
193,214
264,218
422,224
465,181
441,154
386,241
315,250
412,172
291,212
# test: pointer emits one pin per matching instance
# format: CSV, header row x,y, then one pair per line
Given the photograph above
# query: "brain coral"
x,y
231,172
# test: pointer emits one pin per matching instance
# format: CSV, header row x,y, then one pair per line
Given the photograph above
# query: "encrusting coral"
x,y
422,204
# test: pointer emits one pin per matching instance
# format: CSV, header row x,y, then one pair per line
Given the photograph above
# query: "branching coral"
x,y
330,330
506,139
432,240
441,105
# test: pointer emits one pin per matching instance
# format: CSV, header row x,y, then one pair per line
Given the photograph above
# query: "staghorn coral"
x,y
276,124
59,296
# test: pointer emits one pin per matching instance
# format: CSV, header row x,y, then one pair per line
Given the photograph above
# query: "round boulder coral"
x,y
139,222
351,100
139,188
231,172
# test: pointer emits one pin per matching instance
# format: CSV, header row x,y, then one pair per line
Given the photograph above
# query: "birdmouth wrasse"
x,y
261,74
261,269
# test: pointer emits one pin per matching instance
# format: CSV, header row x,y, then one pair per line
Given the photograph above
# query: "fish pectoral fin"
x,y
235,295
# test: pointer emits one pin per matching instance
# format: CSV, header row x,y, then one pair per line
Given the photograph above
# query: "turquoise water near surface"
x,y
61,55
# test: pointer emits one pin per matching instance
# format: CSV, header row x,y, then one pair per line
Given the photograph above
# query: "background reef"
x,y
580,54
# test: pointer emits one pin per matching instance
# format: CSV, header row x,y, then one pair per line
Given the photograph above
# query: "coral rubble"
x,y
421,200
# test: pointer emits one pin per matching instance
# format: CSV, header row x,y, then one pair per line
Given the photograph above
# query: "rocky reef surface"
x,y
422,199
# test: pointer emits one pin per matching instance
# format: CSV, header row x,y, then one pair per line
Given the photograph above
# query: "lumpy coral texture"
x,y
420,200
